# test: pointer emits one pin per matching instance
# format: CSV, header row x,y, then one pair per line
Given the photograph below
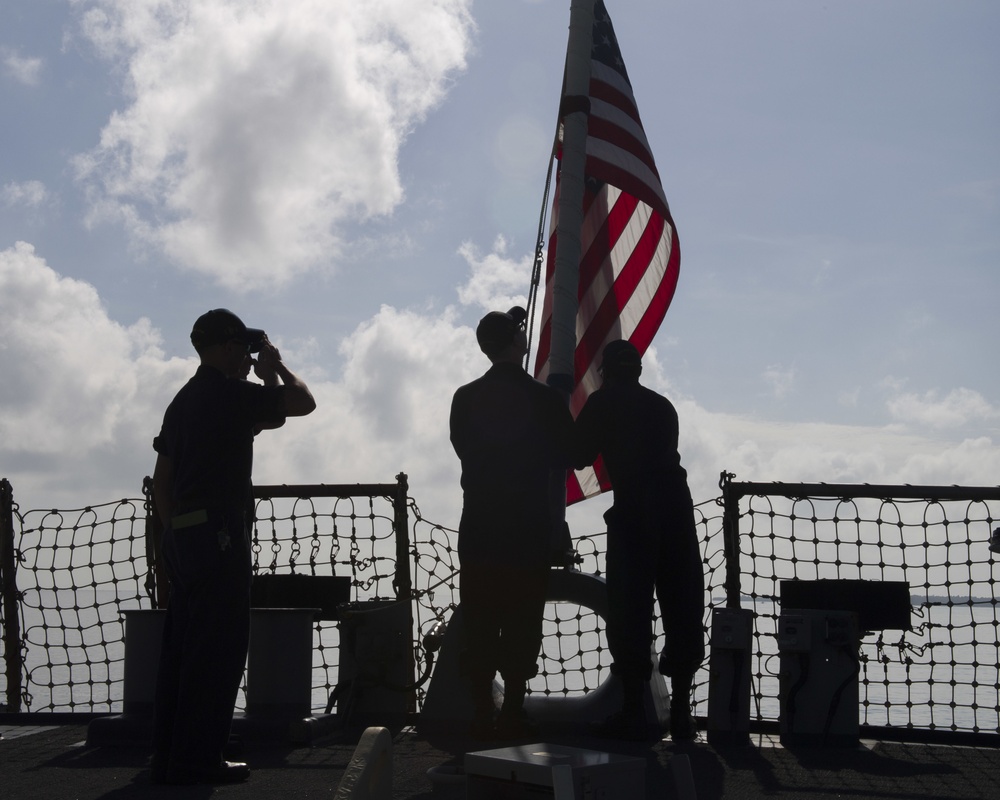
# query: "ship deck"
x,y
54,761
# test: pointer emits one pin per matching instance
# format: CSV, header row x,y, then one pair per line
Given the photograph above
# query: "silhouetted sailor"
x,y
652,540
201,485
509,431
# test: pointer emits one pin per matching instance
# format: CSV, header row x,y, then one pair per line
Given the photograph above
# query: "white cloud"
x,y
29,194
892,384
957,408
387,413
495,279
81,394
970,462
780,380
824,453
849,398
84,395
254,133
25,70
388,410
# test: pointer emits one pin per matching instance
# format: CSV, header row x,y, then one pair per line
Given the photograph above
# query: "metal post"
x,y
13,661
157,585
402,583
731,538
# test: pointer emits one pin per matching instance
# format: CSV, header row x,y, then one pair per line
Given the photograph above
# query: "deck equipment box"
x,y
548,770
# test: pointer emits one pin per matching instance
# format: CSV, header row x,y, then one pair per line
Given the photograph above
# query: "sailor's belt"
x,y
189,520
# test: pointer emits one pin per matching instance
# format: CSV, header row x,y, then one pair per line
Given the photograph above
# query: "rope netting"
x,y
79,571
575,658
353,536
942,673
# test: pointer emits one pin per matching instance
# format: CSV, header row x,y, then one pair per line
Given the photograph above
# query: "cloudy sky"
x,y
363,180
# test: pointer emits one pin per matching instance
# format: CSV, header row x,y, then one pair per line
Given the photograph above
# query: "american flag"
x,y
630,255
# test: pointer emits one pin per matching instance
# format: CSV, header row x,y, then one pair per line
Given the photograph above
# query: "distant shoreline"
x,y
916,600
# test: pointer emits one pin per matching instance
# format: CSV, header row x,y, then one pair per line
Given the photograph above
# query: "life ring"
x,y
582,588
444,706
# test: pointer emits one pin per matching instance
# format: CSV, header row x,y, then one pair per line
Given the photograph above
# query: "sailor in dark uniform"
x,y
201,486
509,431
652,539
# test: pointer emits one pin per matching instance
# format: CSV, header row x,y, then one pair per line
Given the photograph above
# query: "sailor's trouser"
x,y
654,549
205,638
502,610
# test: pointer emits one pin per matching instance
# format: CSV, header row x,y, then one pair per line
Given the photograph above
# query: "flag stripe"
x,y
614,209
608,123
632,293
607,83
625,263
627,173
630,256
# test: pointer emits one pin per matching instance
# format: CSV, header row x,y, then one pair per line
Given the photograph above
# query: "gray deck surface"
x,y
54,762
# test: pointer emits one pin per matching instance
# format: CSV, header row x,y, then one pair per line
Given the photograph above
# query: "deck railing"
x,y
941,673
68,576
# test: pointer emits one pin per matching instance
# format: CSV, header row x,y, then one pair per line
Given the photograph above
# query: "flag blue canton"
x,y
605,48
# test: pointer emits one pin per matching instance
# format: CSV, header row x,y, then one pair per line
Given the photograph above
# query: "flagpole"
x,y
613,236
574,109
